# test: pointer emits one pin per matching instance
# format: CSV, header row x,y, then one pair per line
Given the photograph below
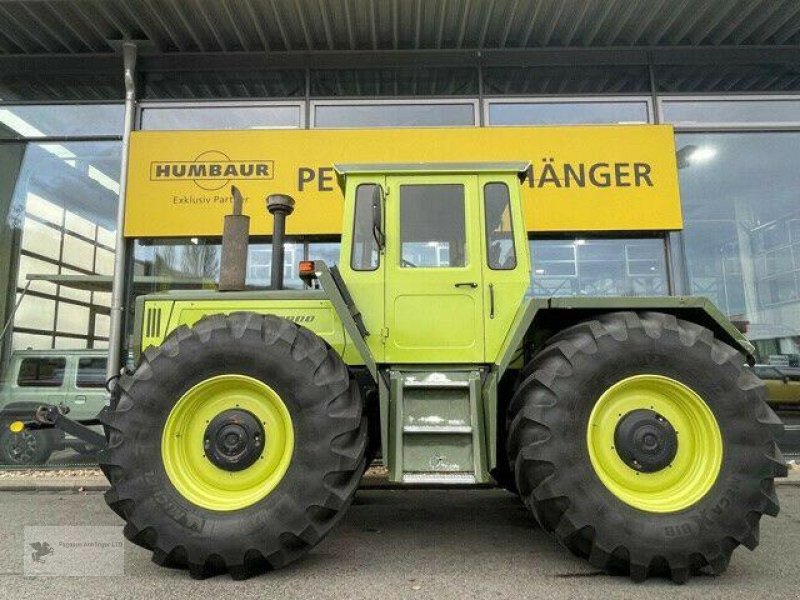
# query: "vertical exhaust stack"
x,y
280,206
235,237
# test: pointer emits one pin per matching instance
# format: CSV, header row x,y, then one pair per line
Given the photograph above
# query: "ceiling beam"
x,y
519,57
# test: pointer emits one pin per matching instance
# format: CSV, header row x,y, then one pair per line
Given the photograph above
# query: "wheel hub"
x,y
645,441
234,440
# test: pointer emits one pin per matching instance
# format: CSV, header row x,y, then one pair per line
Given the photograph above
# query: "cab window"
x,y
501,255
41,372
432,226
91,373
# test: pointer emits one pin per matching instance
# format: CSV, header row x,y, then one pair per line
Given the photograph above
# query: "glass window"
x,y
567,113
60,120
742,232
731,111
164,264
599,267
91,372
41,372
394,115
365,254
56,202
411,81
222,117
500,251
432,226
325,251
566,79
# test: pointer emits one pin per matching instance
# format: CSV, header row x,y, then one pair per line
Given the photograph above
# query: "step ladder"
x,y
436,427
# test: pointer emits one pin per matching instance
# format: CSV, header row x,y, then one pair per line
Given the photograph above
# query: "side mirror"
x,y
377,217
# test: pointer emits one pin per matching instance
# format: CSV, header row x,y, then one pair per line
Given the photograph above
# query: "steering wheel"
x,y
407,263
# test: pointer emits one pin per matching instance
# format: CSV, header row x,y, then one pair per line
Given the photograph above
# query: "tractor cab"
x,y
435,256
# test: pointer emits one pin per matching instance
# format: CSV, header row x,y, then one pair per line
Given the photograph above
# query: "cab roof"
x,y
517,167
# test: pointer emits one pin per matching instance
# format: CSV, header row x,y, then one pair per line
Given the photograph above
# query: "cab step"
x,y
436,427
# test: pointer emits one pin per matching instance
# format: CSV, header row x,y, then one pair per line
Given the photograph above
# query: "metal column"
x,y
115,338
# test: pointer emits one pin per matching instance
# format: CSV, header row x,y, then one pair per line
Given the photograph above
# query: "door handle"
x,y
80,399
491,301
469,284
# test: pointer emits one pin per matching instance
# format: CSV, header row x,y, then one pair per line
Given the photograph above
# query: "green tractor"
x,y
632,428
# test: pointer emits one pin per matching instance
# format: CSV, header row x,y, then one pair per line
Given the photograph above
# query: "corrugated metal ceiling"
x,y
32,27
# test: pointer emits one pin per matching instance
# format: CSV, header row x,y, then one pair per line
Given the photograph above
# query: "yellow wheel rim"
x,y
193,475
698,459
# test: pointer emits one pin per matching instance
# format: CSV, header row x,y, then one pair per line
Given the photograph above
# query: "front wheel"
x,y
29,447
235,446
645,445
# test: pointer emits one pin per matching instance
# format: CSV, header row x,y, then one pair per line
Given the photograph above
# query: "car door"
x,y
433,300
89,393
40,380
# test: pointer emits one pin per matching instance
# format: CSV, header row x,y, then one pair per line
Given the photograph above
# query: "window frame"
x,y
432,101
726,126
142,107
488,101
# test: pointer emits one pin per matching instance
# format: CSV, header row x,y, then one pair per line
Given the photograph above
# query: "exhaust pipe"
x,y
280,206
235,237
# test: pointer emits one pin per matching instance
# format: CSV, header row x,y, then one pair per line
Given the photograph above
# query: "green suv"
x,y
73,379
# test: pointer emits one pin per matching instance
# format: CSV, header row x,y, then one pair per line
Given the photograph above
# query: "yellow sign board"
x,y
597,178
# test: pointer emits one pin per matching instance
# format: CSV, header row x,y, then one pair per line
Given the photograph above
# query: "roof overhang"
x,y
517,167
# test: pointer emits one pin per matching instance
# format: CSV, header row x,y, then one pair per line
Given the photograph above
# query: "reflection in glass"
x,y
500,251
162,265
364,253
60,220
432,226
60,120
58,204
325,251
598,267
742,233
567,113
731,111
393,115
221,117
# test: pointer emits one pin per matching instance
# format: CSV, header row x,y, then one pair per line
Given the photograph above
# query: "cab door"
x,y
434,286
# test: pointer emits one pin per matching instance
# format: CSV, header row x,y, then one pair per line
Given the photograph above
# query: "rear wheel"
x,y
644,444
235,446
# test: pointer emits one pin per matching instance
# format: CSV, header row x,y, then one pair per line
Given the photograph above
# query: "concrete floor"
x,y
403,544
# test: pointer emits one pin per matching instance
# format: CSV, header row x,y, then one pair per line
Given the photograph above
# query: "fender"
x,y
538,319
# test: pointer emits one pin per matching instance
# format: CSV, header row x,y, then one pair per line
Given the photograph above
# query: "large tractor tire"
x,y
644,444
235,446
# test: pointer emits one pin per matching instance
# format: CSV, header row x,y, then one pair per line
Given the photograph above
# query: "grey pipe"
x,y
280,206
118,283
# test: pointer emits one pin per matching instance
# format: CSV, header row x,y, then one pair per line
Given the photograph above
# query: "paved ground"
x,y
404,544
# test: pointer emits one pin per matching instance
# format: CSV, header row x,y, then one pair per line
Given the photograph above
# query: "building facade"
x,y
726,75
